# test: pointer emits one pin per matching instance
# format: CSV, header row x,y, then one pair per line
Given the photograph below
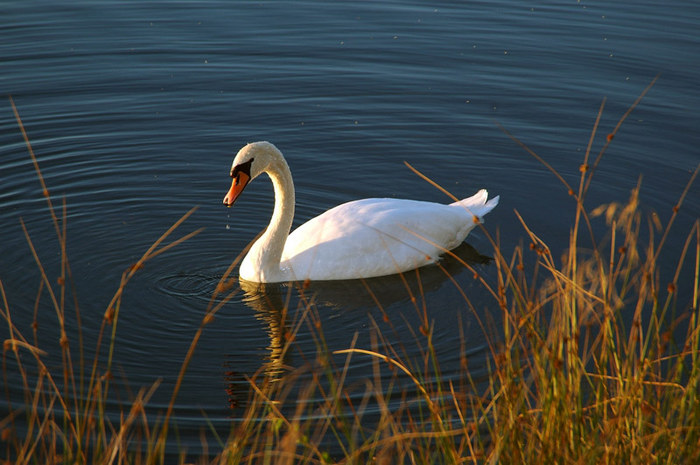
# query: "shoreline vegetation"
x,y
595,359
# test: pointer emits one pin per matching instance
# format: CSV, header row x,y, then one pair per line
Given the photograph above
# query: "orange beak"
x,y
239,182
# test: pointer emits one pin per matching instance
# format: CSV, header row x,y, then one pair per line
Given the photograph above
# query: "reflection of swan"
x,y
360,239
270,308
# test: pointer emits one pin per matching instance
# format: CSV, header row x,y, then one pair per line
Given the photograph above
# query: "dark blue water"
x,y
136,109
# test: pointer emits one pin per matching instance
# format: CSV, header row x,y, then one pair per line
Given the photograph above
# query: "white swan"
x,y
359,239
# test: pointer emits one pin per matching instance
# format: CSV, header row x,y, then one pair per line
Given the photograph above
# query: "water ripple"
x,y
188,284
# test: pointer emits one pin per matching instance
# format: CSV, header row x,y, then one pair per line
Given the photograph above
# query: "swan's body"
x,y
358,239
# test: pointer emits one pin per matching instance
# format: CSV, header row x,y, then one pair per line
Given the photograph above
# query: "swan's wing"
x,y
374,237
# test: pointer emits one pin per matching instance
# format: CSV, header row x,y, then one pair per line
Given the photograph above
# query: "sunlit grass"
x,y
595,359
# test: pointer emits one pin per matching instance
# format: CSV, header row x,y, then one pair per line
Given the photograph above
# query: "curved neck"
x,y
267,251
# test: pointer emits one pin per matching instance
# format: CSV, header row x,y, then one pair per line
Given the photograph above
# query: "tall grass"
x,y
595,360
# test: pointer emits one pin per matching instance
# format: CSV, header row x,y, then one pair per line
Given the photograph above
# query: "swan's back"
x,y
376,237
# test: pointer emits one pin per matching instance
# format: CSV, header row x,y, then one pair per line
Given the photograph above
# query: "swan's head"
x,y
252,160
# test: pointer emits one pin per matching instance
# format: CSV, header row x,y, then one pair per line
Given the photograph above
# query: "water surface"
x,y
136,109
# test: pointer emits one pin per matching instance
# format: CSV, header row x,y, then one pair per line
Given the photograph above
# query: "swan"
x,y
358,239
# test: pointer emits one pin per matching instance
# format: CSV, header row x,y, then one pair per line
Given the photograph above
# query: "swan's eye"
x,y
242,168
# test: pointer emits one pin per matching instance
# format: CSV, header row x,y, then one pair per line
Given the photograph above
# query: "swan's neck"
x,y
265,255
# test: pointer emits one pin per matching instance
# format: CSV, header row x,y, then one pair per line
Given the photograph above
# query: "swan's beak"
x,y
239,182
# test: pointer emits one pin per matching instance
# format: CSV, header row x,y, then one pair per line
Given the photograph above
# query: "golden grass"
x,y
595,361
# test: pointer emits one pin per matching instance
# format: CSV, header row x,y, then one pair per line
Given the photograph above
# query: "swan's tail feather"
x,y
478,204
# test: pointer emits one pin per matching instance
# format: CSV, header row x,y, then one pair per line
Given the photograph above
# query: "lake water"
x,y
136,109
